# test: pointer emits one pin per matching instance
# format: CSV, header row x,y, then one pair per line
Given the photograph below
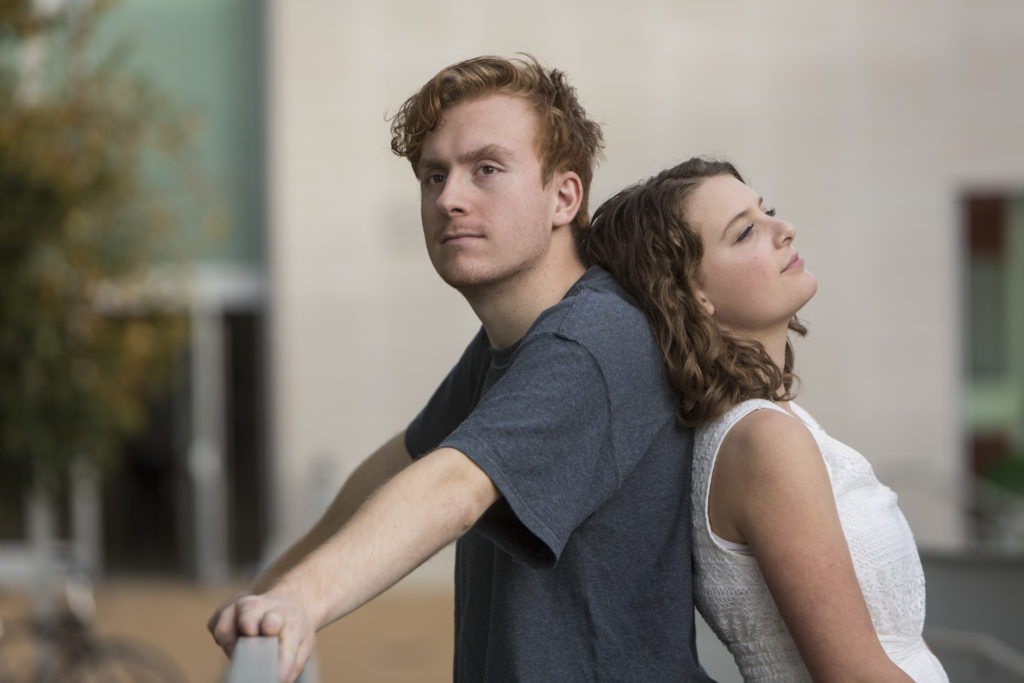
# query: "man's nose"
x,y
453,197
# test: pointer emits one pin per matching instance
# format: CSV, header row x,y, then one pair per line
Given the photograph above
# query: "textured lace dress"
x,y
732,596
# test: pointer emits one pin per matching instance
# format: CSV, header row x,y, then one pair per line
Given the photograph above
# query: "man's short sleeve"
x,y
453,400
542,434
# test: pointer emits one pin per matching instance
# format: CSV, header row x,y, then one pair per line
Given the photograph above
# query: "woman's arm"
x,y
771,490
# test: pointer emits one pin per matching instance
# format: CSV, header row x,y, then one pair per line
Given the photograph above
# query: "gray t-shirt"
x,y
582,571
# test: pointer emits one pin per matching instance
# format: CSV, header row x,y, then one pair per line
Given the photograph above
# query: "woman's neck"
x,y
774,343
777,351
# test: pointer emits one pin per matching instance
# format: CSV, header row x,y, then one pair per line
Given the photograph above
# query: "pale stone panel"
x,y
863,122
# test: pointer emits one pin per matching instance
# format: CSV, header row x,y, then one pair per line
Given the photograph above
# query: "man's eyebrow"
x,y
492,151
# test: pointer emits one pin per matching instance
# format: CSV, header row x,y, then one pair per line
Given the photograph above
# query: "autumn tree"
x,y
89,243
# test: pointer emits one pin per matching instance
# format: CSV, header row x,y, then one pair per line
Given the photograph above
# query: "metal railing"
x,y
990,659
255,661
976,656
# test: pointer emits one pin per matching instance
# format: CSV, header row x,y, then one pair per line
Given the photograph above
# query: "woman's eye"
x,y
745,233
770,212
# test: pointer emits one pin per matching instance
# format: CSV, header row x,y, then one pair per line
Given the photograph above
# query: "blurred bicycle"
x,y
66,648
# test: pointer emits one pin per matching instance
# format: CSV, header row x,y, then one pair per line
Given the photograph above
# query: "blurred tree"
x,y
85,337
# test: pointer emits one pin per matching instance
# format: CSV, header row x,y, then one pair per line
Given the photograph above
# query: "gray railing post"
x,y
255,661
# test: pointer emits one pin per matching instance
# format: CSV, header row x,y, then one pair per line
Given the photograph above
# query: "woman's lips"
x,y
794,262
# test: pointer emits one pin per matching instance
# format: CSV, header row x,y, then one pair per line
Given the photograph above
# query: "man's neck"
x,y
508,309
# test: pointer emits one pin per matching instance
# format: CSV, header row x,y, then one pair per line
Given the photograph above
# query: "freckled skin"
x,y
481,184
743,273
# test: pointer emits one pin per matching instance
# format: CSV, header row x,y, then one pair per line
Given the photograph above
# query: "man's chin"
x,y
463,282
462,278
469,279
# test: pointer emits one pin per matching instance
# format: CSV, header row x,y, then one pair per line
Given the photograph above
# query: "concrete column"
x,y
206,455
86,520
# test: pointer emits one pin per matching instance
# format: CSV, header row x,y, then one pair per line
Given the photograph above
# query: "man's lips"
x,y
459,237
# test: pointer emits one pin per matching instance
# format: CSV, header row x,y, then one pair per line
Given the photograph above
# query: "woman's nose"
x,y
785,231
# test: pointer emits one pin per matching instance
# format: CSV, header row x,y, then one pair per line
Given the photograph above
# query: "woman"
x,y
804,565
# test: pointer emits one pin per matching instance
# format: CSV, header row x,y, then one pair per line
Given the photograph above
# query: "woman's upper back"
x,y
731,592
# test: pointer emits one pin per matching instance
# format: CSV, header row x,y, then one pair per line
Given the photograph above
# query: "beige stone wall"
x,y
862,122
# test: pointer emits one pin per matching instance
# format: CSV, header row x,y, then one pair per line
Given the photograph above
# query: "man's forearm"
x,y
419,511
383,464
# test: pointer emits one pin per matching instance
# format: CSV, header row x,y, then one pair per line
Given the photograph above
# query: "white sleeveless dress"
x,y
732,596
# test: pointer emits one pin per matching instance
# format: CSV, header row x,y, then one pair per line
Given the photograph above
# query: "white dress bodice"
x,y
732,596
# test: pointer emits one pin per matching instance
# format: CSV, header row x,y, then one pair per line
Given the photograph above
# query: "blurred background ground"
x,y
403,637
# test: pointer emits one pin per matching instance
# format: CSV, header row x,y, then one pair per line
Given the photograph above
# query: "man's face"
x,y
487,217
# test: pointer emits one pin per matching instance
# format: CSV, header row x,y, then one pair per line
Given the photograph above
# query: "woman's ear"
x,y
568,199
704,301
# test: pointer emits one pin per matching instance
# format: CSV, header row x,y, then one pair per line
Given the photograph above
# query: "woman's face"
x,y
751,279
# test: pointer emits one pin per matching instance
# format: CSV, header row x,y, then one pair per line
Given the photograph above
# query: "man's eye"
x,y
488,170
433,179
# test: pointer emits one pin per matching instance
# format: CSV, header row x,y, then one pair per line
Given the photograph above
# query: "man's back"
x,y
582,570
560,451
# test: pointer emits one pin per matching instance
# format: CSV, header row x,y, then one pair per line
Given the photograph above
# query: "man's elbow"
x,y
468,491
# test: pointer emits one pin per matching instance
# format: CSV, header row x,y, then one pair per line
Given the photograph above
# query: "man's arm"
x,y
420,510
380,466
384,463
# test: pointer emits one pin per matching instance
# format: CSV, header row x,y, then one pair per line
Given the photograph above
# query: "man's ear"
x,y
569,195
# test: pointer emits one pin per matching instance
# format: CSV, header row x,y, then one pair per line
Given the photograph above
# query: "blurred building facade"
x,y
887,133
874,127
201,470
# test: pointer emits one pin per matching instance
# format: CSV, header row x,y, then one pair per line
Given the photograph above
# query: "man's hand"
x,y
267,615
231,619
420,510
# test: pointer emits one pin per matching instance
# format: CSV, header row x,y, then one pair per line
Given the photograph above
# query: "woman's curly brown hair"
x,y
641,236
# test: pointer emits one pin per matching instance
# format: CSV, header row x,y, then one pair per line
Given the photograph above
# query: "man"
x,y
550,451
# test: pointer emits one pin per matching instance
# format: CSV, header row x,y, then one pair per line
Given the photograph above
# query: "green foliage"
x,y
1008,473
83,343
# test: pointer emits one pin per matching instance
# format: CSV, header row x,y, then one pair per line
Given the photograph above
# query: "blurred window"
x,y
994,362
